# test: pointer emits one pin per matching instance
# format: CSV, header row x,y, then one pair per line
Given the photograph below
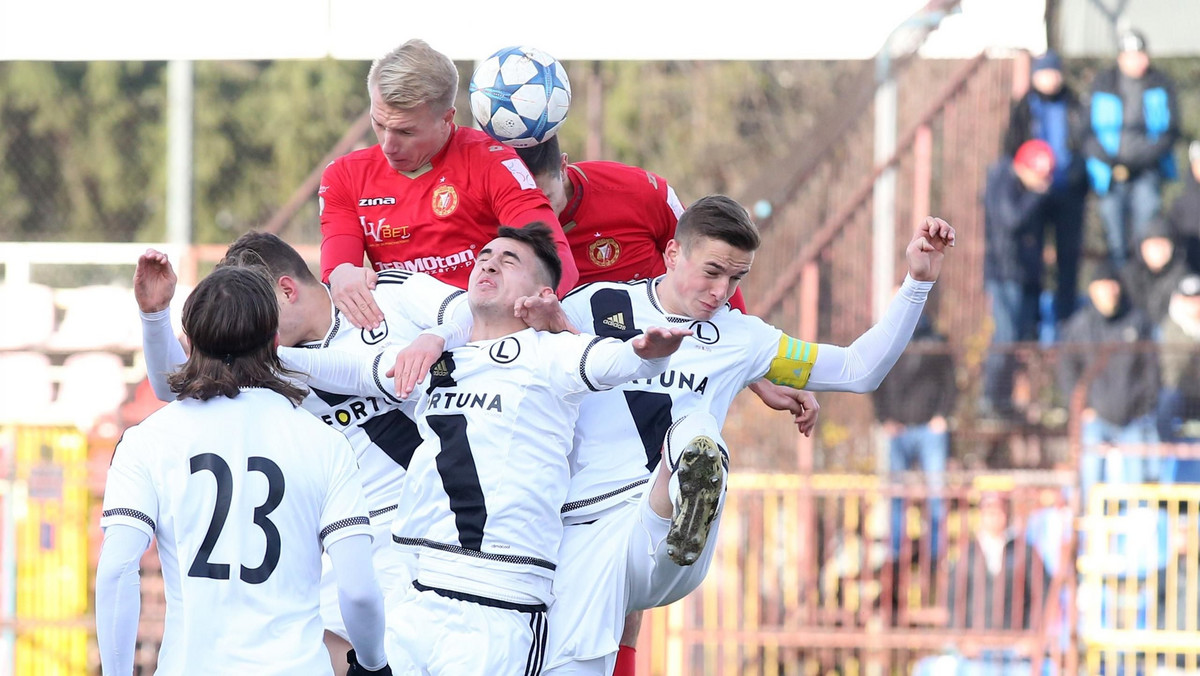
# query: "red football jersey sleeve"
x,y
434,220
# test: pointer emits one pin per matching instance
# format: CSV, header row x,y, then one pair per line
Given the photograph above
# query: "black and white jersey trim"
x,y
463,551
345,523
131,513
333,330
583,364
393,276
441,315
379,383
579,504
481,600
382,510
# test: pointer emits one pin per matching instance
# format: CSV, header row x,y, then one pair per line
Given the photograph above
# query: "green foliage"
x,y
83,145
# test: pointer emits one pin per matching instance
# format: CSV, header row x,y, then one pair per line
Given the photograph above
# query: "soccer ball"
x,y
520,96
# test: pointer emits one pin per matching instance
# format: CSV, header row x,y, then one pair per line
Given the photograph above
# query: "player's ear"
x,y
448,118
671,254
288,288
562,167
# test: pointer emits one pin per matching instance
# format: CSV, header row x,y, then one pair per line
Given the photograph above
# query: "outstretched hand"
x,y
154,281
659,341
351,288
414,361
543,312
927,249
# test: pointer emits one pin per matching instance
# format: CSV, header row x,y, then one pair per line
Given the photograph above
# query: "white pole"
x,y
180,85
883,249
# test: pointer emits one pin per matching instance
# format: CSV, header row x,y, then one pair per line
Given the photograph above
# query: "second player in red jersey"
x,y
618,218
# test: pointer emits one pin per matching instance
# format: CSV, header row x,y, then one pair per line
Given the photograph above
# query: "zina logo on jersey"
x,y
380,231
376,201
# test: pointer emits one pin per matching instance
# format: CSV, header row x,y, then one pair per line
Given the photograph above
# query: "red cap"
x,y
1035,155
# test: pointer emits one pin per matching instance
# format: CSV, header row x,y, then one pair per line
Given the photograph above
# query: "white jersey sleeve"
x,y
345,510
343,371
608,362
129,495
118,598
418,298
862,365
163,351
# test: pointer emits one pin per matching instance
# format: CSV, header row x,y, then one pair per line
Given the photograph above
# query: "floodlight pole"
x,y
180,109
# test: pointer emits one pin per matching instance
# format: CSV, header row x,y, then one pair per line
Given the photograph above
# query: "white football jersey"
x,y
382,430
480,505
619,435
241,494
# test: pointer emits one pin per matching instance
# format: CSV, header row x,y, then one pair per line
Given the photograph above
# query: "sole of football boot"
x,y
700,475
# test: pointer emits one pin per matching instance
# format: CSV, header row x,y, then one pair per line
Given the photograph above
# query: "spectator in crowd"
x,y
1121,397
1183,219
1134,123
914,403
1050,111
1013,212
1179,402
999,583
1153,274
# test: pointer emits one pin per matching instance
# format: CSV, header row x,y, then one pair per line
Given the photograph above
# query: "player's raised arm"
x,y
153,287
862,365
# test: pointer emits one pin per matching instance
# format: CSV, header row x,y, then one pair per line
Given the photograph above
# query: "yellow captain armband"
x,y
793,362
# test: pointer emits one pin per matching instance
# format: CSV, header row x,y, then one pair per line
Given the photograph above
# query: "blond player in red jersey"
x,y
428,195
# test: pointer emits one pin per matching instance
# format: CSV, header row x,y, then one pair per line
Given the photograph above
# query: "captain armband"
x,y
792,363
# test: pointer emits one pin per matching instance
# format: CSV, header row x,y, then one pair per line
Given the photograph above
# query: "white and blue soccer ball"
x,y
520,96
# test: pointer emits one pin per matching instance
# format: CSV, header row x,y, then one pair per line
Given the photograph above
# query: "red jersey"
x,y
434,220
619,221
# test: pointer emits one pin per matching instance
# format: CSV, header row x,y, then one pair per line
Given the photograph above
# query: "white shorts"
x,y
429,634
609,568
391,571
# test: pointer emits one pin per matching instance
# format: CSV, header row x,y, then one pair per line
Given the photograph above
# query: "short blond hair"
x,y
415,74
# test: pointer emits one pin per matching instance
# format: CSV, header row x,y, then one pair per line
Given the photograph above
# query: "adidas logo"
x,y
440,370
616,321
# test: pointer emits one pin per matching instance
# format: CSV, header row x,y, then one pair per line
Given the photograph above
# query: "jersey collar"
x,y
578,180
335,321
652,292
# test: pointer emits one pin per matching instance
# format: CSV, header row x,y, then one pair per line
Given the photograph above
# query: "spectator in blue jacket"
x,y
1051,112
1134,124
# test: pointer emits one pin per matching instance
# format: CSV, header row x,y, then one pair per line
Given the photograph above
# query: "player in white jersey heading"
x,y
612,520
380,428
242,491
480,506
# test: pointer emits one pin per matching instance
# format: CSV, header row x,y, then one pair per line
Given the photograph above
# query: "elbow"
x,y
867,384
